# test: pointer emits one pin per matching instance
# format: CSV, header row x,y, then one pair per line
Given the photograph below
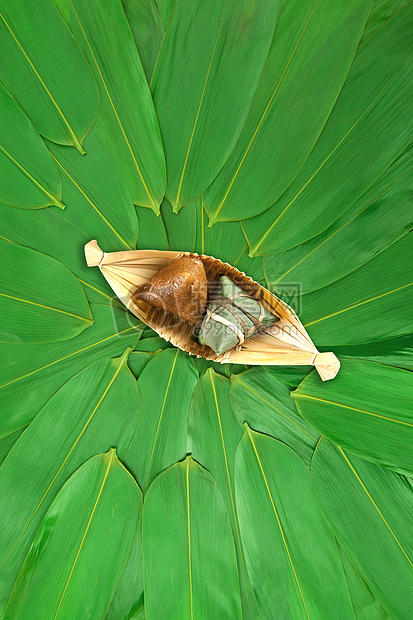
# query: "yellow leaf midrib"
x,y
113,107
65,460
248,432
274,223
112,454
34,303
214,218
375,506
75,140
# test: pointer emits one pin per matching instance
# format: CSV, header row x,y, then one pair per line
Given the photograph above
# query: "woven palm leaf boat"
x,y
284,343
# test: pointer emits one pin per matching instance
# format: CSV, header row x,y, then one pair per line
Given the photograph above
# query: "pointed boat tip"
x,y
93,254
327,365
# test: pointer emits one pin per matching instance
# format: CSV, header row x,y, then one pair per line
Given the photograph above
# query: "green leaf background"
x,y
135,481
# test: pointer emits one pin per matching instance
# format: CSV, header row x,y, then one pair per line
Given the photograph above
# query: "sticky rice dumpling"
x,y
232,317
180,288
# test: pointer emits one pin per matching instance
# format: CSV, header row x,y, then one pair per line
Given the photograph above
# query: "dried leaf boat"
x,y
284,343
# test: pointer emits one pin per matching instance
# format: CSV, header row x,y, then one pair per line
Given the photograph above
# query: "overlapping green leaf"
x,y
226,370
28,175
367,409
370,125
365,604
360,307
375,221
166,8
204,80
140,614
368,508
166,384
96,197
138,360
226,241
95,410
181,227
88,530
127,122
49,231
152,234
129,593
190,566
310,56
394,351
287,543
213,437
290,375
40,299
43,68
6,443
147,28
381,11
31,374
264,402
153,343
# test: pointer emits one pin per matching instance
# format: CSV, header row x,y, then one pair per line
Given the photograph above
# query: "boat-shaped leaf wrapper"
x,y
284,343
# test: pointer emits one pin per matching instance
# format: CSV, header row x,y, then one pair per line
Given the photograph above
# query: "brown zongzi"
x,y
180,288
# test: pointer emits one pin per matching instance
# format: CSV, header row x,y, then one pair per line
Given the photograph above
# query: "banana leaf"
x,y
138,360
32,373
209,49
96,196
367,410
188,550
381,216
43,68
40,299
354,309
369,127
381,11
95,410
147,28
129,593
89,530
226,240
166,384
127,123
153,343
166,8
6,443
290,375
180,227
287,543
28,176
213,437
152,234
394,351
311,53
365,604
262,401
368,508
49,231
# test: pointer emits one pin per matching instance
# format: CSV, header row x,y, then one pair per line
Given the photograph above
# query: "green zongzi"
x,y
232,317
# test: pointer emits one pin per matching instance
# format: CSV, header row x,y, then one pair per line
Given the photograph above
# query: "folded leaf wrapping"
x,y
232,317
